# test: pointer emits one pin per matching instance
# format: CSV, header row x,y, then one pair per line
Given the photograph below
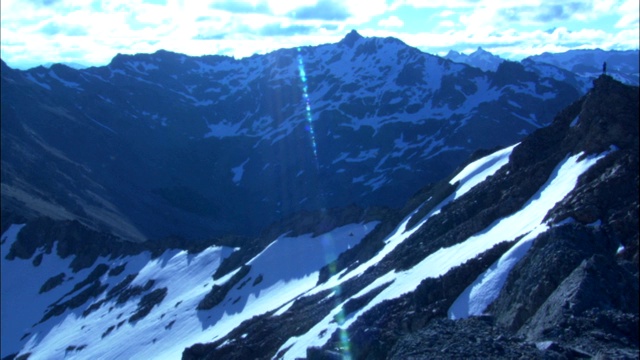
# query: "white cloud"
x,y
440,3
629,14
77,31
604,6
280,7
624,40
515,43
447,24
391,21
446,13
364,10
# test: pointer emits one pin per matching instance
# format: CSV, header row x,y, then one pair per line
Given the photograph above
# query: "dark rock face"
x,y
554,255
147,302
570,289
264,335
598,284
218,293
72,238
473,338
94,290
52,282
351,38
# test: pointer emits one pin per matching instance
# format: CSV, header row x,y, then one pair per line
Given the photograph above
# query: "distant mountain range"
x,y
480,58
587,64
524,251
163,145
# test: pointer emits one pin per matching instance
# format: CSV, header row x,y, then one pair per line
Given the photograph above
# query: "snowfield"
x,y
289,267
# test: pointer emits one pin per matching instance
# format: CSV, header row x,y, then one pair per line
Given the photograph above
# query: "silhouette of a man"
x,y
604,67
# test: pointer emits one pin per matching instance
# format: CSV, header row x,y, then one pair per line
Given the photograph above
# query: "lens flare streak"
x,y
341,317
345,343
307,102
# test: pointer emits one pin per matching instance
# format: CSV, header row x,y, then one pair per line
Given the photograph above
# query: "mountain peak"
x,y
480,58
119,59
480,52
3,65
605,81
609,116
351,38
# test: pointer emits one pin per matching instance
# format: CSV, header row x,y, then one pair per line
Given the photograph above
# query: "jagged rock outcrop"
x,y
85,244
473,338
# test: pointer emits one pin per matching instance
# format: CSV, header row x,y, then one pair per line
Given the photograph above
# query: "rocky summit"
x,y
358,200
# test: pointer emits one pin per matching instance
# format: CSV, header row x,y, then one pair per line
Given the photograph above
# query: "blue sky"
x,y
92,32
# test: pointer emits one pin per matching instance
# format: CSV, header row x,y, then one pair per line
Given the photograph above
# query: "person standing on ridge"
x,y
604,68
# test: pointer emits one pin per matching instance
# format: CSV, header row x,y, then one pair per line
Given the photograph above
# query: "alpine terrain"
x,y
357,200
164,144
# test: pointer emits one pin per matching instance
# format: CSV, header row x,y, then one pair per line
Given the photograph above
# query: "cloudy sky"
x,y
92,32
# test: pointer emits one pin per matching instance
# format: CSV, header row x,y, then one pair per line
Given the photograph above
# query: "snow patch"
x,y
574,122
203,102
102,125
238,171
479,170
222,129
41,84
66,83
486,288
529,220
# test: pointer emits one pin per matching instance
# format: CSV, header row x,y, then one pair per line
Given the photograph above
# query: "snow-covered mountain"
x,y
529,251
160,145
623,66
480,58
577,67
